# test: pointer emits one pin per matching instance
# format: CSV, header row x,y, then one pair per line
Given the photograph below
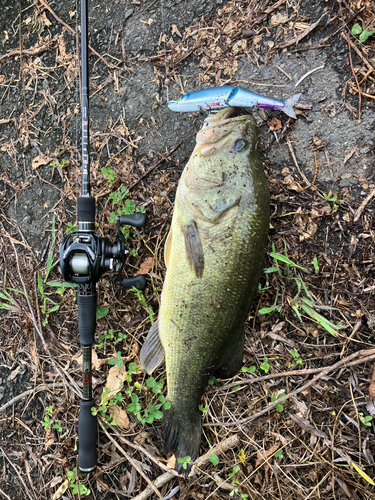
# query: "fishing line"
x,y
165,47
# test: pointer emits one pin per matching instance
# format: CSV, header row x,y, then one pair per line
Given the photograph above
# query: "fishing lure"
x,y
222,97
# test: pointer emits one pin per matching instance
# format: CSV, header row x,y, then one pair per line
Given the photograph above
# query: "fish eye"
x,y
241,145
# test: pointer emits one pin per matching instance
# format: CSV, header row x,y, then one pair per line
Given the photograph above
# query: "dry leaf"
x,y
50,438
2,78
274,124
301,407
59,493
175,30
148,22
146,266
95,361
229,27
120,415
292,184
115,379
304,424
263,455
55,481
278,19
33,353
171,462
301,26
40,160
14,373
371,389
46,21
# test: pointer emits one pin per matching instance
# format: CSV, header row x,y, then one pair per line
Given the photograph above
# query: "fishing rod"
x,y
84,257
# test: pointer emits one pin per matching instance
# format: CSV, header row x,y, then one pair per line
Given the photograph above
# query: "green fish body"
x,y
214,255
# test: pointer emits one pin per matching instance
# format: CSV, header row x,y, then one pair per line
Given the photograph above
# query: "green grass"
x,y
286,272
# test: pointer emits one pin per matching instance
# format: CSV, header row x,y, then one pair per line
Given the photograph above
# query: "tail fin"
x,y
182,436
288,106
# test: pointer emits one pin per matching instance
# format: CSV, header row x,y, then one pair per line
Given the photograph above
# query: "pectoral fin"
x,y
194,248
152,351
167,248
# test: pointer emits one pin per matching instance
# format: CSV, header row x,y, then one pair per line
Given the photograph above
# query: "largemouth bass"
x,y
214,254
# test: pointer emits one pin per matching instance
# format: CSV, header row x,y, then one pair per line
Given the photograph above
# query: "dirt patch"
x,y
320,441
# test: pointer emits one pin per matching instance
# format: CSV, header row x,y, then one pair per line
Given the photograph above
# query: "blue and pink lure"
x,y
222,97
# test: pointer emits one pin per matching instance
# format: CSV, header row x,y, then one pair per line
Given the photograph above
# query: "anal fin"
x,y
152,351
232,362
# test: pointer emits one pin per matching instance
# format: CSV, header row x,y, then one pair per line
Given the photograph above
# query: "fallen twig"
x,y
289,373
369,96
308,183
131,461
308,73
364,355
363,205
28,392
25,488
35,51
298,38
222,447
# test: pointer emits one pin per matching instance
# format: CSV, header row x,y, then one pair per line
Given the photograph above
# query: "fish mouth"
x,y
220,115
218,129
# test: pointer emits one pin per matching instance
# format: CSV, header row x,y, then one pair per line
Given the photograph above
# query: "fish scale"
x,y
214,255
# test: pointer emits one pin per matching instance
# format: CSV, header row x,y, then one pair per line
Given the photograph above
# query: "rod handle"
x,y
87,436
86,318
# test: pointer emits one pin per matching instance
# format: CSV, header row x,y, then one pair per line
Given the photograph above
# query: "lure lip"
x,y
213,98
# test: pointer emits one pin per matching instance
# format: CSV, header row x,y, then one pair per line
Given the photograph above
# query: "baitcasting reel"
x,y
85,256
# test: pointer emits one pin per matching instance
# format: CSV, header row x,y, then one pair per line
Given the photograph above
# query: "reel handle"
x,y
136,281
135,220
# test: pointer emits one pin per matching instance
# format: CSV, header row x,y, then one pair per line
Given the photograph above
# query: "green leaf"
x,y
132,368
268,310
365,35
40,285
265,365
151,382
286,260
279,454
54,308
101,312
270,270
356,30
214,459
